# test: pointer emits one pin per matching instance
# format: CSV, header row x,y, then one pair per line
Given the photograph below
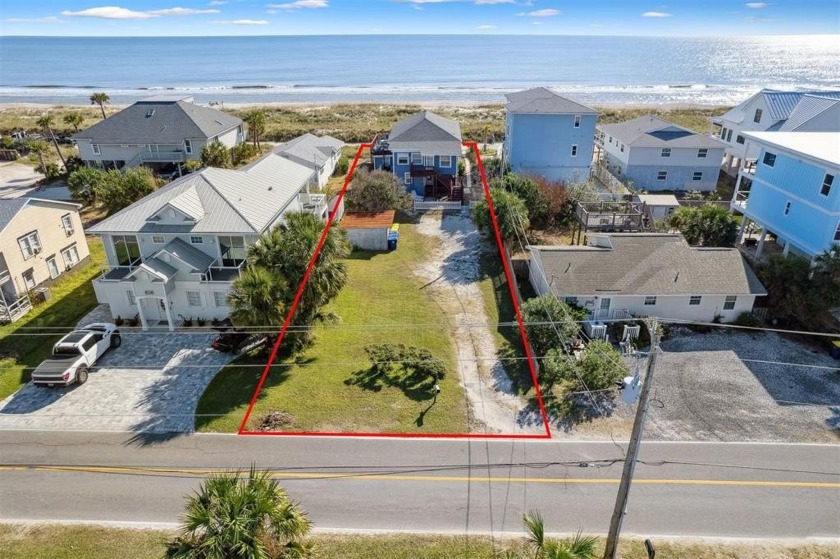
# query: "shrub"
x,y
242,153
527,191
748,319
709,226
119,190
545,337
342,166
84,183
51,172
511,215
118,321
376,191
601,366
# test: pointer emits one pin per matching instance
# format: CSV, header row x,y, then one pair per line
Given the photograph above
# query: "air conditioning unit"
x,y
69,232
36,250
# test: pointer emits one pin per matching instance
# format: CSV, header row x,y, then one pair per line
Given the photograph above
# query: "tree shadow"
x,y
568,412
415,385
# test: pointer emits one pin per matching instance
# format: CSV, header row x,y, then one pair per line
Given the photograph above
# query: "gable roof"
x,y
197,260
544,100
428,132
228,201
646,264
651,131
309,149
809,108
10,208
780,104
160,121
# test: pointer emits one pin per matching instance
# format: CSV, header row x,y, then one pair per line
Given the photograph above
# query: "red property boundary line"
x,y
299,294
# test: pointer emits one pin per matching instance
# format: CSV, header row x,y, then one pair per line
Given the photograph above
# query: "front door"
x,y
150,307
604,308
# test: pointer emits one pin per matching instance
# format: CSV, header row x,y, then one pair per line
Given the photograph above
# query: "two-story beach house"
x,y
39,241
794,190
769,110
173,254
659,155
155,132
423,150
548,135
625,275
321,153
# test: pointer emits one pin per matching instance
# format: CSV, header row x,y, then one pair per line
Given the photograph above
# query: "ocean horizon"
x,y
606,70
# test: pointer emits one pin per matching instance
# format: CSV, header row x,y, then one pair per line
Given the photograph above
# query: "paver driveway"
x,y
151,383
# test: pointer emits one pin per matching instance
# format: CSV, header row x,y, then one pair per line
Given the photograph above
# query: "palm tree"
x,y
100,99
215,154
232,517
46,123
39,147
579,547
256,123
74,120
257,299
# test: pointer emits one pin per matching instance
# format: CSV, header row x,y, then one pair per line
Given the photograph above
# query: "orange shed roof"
x,y
368,220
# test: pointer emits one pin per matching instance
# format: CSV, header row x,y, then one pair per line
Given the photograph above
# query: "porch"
x,y
13,305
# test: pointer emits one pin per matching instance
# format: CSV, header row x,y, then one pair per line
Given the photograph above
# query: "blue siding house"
x,y
423,150
794,192
548,135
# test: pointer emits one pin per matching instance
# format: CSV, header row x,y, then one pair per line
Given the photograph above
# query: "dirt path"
x,y
451,274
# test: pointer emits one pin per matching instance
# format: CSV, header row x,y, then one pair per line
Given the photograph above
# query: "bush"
x,y
73,163
342,166
84,183
376,191
748,319
601,366
51,172
511,215
119,190
709,226
527,191
242,153
545,337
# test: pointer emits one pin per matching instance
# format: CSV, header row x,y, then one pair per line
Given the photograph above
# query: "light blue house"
x,y
794,193
548,135
423,150
658,155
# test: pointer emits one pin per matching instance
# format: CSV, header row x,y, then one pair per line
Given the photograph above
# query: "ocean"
x,y
387,68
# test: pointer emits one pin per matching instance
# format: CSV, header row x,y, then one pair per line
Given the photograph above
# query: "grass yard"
x,y
72,297
92,542
318,388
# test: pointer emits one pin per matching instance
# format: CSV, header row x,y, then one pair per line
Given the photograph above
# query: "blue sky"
x,y
308,17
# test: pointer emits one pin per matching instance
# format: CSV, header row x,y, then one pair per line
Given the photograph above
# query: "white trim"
x,y
576,121
448,161
96,149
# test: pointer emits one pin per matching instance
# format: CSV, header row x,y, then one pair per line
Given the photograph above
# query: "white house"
x,y
161,130
321,153
770,110
173,254
623,275
658,155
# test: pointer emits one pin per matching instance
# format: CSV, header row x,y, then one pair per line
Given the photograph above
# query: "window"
x,y
702,153
407,178
194,298
197,240
723,133
577,121
729,136
96,150
574,150
416,159
402,159
30,245
126,250
769,159
662,175
650,301
837,233
694,300
29,278
697,176
666,152
158,239
739,139
129,294
446,161
220,298
88,344
826,185
67,224
232,250
188,146
757,116
622,148
70,256
571,300
429,160
610,138
787,208
729,302
52,267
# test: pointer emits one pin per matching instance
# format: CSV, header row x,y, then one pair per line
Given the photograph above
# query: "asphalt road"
x,y
458,486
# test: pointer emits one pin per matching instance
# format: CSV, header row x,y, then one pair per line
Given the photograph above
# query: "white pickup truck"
x,y
75,353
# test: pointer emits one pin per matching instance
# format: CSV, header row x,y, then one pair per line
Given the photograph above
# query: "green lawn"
x,y
23,347
317,389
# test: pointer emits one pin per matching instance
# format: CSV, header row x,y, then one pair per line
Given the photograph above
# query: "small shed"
x,y
659,205
368,230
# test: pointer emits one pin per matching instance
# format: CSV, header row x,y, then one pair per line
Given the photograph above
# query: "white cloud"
x,y
298,4
244,22
48,19
486,27
541,13
536,23
656,14
217,3
492,2
476,2
116,12
757,5
180,12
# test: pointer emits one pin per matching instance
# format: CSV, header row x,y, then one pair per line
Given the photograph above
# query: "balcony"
x,y
380,145
739,201
610,216
221,275
314,203
163,157
117,273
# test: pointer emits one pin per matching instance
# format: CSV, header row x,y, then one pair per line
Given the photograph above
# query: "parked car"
x,y
75,353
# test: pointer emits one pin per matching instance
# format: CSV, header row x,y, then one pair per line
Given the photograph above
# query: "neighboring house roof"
x,y
659,199
309,149
822,146
10,208
368,220
809,108
653,132
160,121
780,104
218,200
427,132
646,264
544,100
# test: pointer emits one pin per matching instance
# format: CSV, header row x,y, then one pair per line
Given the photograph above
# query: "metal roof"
x,y
368,220
427,132
9,208
156,267
651,131
546,101
309,149
160,122
647,264
809,108
189,255
780,104
822,146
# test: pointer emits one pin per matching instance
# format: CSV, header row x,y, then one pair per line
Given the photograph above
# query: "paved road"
x,y
700,489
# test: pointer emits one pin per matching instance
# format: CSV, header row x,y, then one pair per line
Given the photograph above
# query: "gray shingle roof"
x,y
545,100
309,149
651,131
9,208
160,122
427,132
647,264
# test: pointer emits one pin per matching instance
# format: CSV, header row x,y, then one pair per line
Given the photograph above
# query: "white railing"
x,y
17,309
314,203
163,157
421,206
595,330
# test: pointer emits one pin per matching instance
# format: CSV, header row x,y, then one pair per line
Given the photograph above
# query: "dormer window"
x,y
150,113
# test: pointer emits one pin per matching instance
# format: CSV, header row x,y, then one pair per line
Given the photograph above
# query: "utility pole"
x,y
611,550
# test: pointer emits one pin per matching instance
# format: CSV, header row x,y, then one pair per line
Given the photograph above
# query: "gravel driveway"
x,y
151,384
